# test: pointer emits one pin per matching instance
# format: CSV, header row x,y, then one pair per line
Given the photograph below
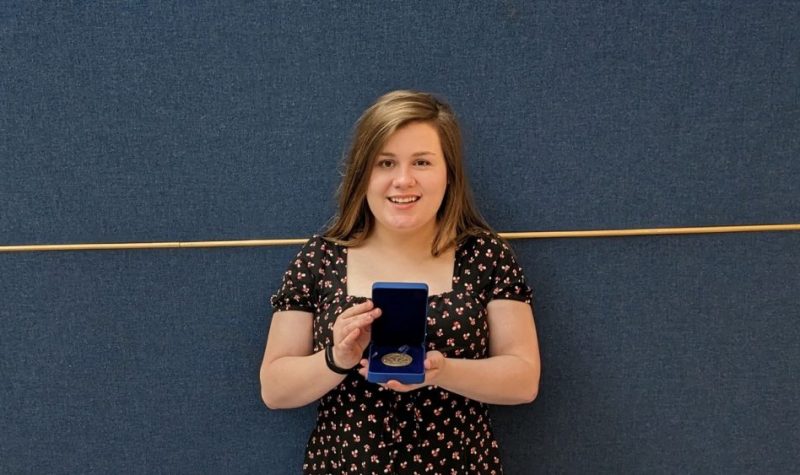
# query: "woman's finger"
x,y
400,387
348,328
350,338
433,360
361,322
356,309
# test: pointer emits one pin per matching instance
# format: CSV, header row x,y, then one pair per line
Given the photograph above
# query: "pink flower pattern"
x,y
362,428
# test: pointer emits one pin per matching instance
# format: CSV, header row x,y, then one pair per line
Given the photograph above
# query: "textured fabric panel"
x,y
172,121
660,354
176,122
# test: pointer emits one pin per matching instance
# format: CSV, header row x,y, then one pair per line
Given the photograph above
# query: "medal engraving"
x,y
396,360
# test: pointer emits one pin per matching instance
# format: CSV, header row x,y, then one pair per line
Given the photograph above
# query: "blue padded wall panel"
x,y
174,122
660,355
140,361
170,121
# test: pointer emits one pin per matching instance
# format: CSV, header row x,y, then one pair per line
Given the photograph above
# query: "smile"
x,y
403,199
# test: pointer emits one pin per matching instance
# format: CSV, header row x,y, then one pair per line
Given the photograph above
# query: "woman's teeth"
x,y
404,200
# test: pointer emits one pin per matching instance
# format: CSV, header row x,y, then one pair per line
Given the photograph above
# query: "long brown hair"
x,y
458,217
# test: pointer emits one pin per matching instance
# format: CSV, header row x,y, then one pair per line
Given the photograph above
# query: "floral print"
x,y
365,429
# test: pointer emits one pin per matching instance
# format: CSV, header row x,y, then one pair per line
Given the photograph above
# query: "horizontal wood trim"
x,y
508,235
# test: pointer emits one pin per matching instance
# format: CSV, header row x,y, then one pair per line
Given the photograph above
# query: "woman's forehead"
x,y
416,138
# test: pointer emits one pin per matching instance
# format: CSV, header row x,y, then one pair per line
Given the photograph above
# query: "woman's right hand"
x,y
351,333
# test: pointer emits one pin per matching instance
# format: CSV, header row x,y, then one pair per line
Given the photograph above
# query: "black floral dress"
x,y
365,429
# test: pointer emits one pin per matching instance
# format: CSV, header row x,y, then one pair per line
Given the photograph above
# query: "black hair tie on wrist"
x,y
332,365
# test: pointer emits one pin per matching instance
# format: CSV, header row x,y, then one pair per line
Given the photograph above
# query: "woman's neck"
x,y
417,243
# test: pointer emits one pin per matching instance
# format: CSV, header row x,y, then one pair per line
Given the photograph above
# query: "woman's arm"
x,y
509,376
292,375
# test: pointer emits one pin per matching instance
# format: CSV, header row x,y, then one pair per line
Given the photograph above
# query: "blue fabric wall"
x,y
172,121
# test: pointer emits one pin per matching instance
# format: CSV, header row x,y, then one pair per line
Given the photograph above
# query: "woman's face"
x,y
408,180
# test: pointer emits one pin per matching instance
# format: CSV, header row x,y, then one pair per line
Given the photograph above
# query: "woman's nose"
x,y
404,178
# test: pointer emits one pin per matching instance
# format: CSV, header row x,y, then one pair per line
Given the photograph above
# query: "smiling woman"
x,y
434,124
408,182
405,215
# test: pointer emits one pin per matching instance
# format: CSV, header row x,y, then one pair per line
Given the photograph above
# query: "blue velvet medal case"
x,y
401,328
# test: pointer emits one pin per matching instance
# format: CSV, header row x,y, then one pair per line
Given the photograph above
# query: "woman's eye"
x,y
422,163
385,164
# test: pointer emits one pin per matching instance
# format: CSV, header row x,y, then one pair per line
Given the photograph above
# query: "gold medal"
x,y
396,360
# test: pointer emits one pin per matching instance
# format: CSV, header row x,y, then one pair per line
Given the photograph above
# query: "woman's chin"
x,y
404,226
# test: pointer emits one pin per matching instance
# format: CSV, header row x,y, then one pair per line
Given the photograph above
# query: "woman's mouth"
x,y
403,200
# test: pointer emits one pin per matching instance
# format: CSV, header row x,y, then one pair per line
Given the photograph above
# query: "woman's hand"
x,y
434,363
351,333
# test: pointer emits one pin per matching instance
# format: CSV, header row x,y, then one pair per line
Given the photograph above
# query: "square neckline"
x,y
454,276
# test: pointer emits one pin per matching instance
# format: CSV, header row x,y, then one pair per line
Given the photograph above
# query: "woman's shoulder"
x,y
316,240
482,239
487,248
318,247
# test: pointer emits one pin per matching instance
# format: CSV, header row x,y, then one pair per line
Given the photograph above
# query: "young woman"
x,y
405,214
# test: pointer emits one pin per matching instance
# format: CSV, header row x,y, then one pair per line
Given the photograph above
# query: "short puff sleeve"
x,y
298,290
507,280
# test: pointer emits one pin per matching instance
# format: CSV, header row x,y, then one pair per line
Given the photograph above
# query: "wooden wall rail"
x,y
507,235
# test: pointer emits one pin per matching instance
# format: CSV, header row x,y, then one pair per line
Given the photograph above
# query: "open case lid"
x,y
403,317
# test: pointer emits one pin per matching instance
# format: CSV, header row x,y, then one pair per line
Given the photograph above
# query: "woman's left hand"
x,y
434,362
